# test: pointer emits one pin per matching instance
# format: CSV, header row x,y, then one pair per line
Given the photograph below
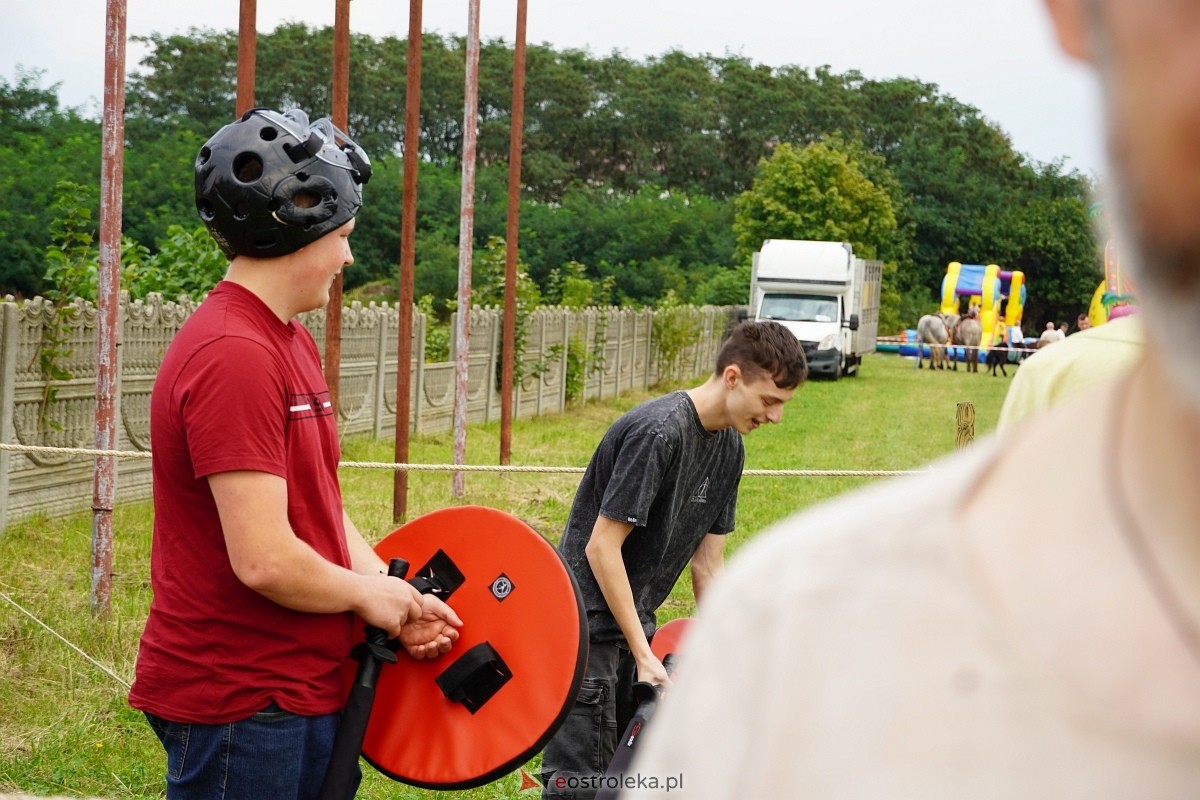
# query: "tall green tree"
x,y
188,80
25,105
816,192
646,242
43,146
629,166
823,192
1049,237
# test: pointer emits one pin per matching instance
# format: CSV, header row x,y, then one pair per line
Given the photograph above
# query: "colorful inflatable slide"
x,y
1116,295
986,287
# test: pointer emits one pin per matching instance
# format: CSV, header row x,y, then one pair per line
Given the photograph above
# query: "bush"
x,y
676,327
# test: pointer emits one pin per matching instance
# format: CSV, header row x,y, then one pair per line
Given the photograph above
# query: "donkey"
x,y
934,330
997,356
967,333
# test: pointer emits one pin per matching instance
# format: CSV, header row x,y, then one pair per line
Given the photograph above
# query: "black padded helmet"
x,y
270,183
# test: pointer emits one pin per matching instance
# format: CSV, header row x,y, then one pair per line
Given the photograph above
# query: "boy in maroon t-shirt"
x,y
257,570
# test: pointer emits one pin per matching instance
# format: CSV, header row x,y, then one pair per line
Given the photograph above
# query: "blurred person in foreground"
x,y
256,568
1090,356
975,634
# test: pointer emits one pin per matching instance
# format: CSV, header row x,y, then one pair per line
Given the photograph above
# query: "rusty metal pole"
x,y
508,351
341,118
408,258
466,224
247,55
104,479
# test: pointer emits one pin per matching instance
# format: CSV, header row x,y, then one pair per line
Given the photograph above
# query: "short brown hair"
x,y
765,347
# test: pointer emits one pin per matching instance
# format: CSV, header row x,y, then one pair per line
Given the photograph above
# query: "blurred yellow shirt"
x,y
1055,373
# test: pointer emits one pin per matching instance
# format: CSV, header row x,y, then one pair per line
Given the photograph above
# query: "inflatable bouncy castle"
x,y
1116,296
987,287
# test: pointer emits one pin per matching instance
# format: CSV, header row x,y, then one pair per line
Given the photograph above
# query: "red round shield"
x,y
667,639
480,711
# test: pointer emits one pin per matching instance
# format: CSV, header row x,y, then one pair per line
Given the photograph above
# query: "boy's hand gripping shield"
x,y
482,710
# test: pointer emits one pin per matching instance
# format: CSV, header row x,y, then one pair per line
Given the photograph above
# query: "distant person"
x,y
1082,323
659,493
998,629
257,570
1000,333
1049,336
1016,337
1064,330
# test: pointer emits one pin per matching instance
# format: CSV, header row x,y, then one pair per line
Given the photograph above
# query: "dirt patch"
x,y
14,744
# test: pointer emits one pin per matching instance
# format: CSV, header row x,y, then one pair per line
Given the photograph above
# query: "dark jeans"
x,y
273,754
580,750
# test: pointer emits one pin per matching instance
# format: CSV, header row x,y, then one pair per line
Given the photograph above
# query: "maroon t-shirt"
x,y
238,390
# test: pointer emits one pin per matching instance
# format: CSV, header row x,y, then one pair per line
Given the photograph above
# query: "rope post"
x,y
8,382
466,227
512,231
341,119
247,57
964,425
408,260
108,376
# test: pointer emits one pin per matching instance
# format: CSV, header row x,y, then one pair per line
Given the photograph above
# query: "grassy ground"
x,y
65,727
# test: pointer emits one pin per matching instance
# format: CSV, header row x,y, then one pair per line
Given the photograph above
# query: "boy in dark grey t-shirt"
x,y
659,493
659,470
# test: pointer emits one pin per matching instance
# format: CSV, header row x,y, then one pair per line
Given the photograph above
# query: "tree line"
x,y
644,177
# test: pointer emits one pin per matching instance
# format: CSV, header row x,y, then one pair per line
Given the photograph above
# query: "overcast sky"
x,y
996,55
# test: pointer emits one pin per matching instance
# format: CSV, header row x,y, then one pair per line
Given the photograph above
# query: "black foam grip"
x,y
474,677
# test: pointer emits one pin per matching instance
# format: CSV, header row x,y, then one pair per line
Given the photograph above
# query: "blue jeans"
x,y
273,754
580,750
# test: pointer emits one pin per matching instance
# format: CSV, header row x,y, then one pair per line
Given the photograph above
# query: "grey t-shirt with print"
x,y
659,469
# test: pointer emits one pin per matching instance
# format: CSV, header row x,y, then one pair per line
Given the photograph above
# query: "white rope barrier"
x,y
74,451
107,670
399,467
948,346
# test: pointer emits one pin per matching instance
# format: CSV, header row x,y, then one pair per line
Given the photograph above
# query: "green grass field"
x,y
65,727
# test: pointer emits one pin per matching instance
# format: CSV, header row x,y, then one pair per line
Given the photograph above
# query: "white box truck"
x,y
824,295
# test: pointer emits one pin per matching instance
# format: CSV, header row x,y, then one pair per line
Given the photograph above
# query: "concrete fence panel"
x,y
47,380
